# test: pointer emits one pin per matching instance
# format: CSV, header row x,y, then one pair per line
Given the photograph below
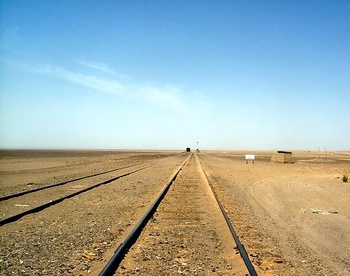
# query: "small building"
x,y
282,157
188,149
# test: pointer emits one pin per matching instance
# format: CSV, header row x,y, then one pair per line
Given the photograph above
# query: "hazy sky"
x,y
166,74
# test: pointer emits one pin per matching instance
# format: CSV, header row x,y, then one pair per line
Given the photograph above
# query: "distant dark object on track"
x,y
188,149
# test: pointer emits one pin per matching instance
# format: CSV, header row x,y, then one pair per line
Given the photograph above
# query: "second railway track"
x,y
48,186
68,238
17,205
186,235
29,203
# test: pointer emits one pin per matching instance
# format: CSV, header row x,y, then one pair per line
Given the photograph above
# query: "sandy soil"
x,y
66,239
293,219
23,170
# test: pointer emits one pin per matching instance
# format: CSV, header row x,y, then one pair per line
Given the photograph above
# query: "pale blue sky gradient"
x,y
165,74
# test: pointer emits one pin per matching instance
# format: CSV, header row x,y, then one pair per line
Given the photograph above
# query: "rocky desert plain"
x,y
292,218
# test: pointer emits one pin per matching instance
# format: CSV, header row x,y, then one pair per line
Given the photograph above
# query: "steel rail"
x,y
119,254
56,201
240,246
6,197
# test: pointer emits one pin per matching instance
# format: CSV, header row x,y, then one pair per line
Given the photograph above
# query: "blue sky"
x,y
166,74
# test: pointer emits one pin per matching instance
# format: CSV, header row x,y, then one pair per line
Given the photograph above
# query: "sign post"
x,y
249,157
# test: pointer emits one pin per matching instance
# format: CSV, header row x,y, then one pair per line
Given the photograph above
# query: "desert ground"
x,y
293,218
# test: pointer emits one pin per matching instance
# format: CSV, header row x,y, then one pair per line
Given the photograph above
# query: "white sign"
x,y
250,157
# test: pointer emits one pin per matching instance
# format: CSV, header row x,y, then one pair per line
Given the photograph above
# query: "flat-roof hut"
x,y
282,157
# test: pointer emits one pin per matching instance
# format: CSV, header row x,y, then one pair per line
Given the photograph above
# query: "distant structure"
x,y
188,149
282,157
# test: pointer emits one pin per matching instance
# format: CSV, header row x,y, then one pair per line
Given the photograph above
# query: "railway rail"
x,y
185,206
55,201
63,192
47,186
18,194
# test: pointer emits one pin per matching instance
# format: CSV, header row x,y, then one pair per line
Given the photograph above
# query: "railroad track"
x,y
58,192
47,186
18,194
185,230
50,199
